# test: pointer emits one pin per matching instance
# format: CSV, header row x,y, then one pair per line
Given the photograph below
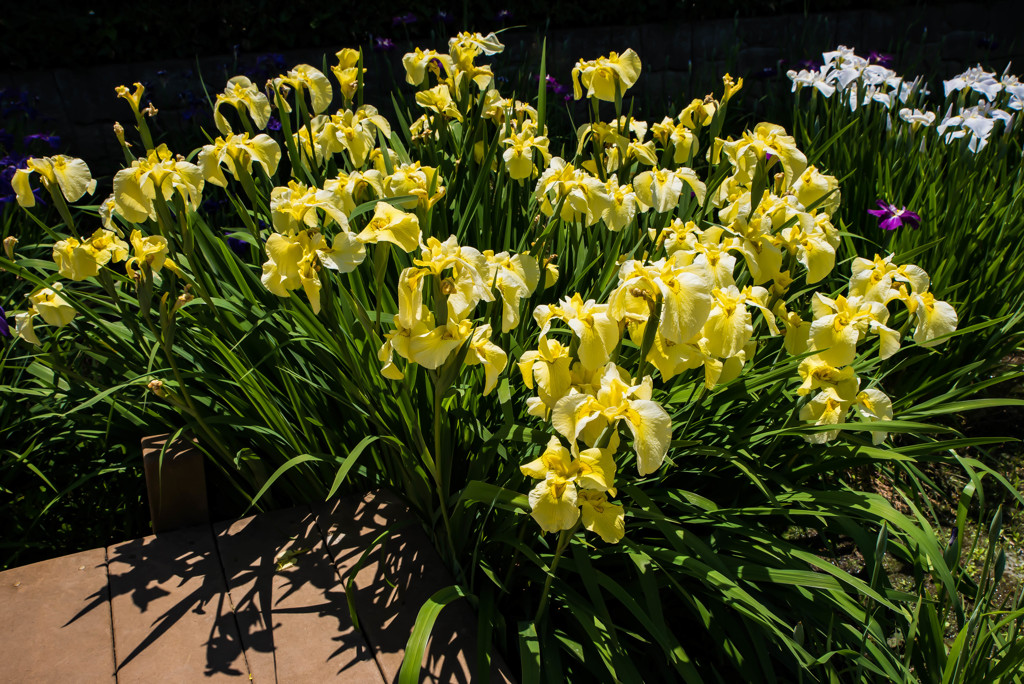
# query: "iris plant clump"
x,y
645,339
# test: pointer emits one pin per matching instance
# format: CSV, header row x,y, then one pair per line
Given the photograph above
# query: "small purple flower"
x,y
443,17
273,123
382,44
504,14
893,217
808,64
554,86
404,19
880,58
5,327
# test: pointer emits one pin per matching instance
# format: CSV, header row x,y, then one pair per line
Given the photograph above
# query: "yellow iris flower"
x,y
305,78
585,416
353,189
840,323
418,62
602,517
661,188
766,138
80,260
519,147
685,290
354,132
294,262
243,95
47,303
549,367
439,99
150,250
423,182
296,207
68,174
160,173
347,72
584,195
601,76
515,277
237,153
393,225
826,408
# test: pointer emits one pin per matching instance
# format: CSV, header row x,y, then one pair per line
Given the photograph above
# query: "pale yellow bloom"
x,y
79,260
354,132
547,366
151,250
69,174
48,303
515,277
661,188
585,197
390,224
424,183
159,174
296,207
602,76
243,95
418,62
584,416
293,263
237,153
753,146
305,78
872,404
519,148
826,408
347,72
439,99
840,323
935,318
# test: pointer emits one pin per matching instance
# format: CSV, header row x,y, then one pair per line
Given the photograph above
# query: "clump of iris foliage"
x,y
610,373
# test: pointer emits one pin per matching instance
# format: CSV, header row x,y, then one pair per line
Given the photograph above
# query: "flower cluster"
x,y
713,232
860,82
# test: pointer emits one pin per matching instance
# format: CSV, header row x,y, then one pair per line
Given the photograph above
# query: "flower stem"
x,y
564,537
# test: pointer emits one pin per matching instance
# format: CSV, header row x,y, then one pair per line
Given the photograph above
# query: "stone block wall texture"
x,y
680,61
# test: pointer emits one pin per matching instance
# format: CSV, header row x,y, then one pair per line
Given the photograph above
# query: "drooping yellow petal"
x,y
601,516
652,433
553,504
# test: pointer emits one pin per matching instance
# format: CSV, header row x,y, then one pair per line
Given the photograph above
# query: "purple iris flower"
x,y
443,17
5,327
504,14
880,58
273,123
554,86
404,19
383,44
893,218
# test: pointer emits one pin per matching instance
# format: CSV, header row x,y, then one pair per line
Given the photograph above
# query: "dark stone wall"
x,y
680,61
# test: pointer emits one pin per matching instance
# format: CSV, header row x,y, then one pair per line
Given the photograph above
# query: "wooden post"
x,y
175,483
